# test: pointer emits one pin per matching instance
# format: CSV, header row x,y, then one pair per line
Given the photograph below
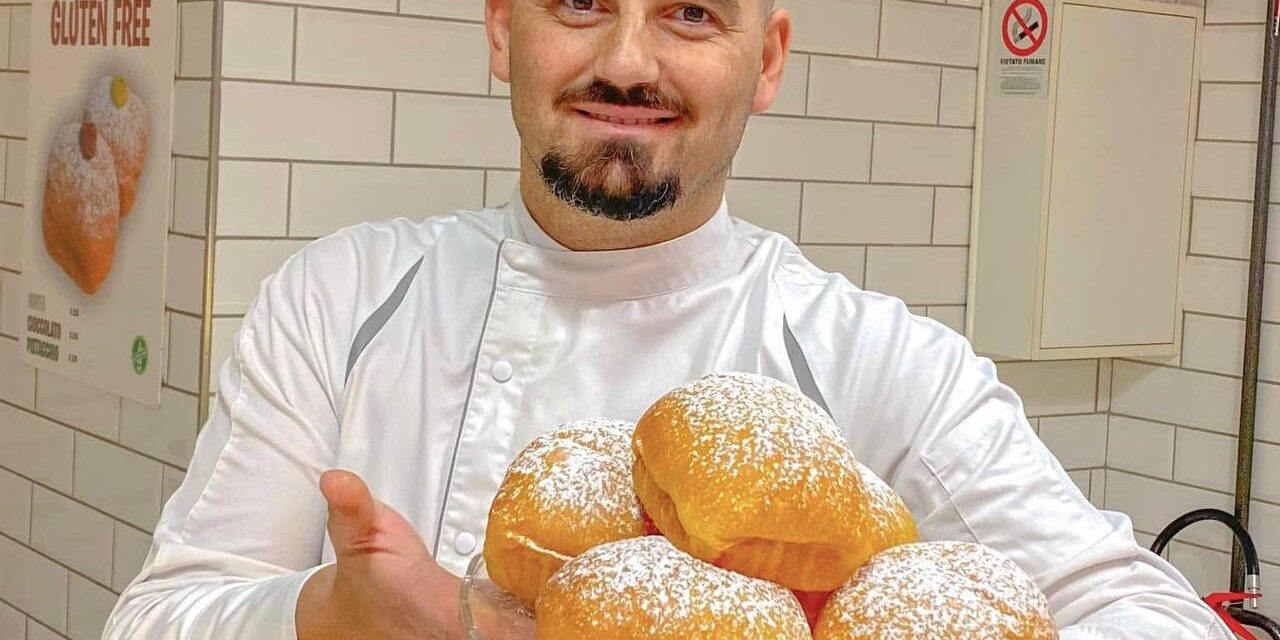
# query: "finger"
x,y
351,510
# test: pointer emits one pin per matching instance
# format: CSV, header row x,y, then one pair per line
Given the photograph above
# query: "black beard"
x,y
579,182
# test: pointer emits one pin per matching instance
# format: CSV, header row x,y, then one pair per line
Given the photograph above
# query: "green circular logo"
x,y
139,355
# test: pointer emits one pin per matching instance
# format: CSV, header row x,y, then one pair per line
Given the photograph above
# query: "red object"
x,y
650,528
812,602
1025,42
1219,603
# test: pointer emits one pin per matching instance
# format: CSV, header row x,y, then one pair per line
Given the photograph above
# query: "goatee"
x,y
581,182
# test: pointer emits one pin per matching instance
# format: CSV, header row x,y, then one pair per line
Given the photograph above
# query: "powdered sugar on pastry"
x,y
566,492
645,588
885,506
938,591
91,181
583,468
750,439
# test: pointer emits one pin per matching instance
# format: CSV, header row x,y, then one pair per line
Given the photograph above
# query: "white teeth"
x,y
623,121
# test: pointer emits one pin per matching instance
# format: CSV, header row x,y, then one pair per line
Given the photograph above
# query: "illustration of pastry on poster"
x,y
99,126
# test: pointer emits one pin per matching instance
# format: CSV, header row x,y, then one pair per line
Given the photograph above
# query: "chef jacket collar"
x,y
533,260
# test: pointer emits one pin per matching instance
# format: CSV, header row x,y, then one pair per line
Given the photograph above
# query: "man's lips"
x,y
625,116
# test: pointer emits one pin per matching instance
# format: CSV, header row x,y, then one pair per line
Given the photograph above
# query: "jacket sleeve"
x,y
236,542
984,476
931,416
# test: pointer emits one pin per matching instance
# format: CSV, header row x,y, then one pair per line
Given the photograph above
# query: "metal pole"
x,y
1253,314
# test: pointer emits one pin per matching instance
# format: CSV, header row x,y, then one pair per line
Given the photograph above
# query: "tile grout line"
x,y
81,431
938,114
808,81
933,217
9,43
367,12
1190,370
59,563
293,57
1186,485
800,216
69,498
1188,427
288,202
395,102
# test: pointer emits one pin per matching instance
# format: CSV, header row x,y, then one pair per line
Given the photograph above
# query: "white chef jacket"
x,y
423,355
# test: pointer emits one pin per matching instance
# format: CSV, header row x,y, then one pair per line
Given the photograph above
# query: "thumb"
x,y
351,511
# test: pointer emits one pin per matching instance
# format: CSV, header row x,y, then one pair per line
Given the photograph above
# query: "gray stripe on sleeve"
x,y
376,320
800,365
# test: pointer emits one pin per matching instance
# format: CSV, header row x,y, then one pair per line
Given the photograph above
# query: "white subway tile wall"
x,y
71,533
13,623
88,605
253,198
15,506
335,112
37,631
132,545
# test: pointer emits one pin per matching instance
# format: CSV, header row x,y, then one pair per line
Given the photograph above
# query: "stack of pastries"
x,y
733,509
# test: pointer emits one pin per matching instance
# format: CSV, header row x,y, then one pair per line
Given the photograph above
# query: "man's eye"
x,y
694,14
581,5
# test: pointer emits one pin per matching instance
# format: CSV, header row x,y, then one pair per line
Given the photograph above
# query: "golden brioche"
x,y
891,523
746,473
646,589
937,591
80,213
892,526
566,492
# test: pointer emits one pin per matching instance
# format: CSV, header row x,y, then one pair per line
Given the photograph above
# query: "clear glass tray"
x,y
488,612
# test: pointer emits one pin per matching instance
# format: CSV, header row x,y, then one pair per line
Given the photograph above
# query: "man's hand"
x,y
385,584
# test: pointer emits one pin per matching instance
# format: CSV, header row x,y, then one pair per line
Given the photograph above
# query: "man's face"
x,y
624,106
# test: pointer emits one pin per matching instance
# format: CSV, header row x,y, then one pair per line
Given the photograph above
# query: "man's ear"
x,y
497,24
777,44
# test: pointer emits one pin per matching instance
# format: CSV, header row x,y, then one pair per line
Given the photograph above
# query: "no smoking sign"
x,y
1021,65
1025,26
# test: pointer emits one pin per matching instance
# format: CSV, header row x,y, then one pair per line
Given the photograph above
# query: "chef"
x,y
419,356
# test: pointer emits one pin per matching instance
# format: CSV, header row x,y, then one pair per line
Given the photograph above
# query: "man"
x,y
422,356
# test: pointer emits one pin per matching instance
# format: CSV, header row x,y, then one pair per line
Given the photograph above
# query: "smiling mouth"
x,y
628,121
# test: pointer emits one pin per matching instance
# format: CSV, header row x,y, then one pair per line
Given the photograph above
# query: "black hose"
x,y
1187,519
1256,620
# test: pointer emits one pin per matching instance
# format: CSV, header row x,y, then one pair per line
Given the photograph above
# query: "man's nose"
x,y
628,57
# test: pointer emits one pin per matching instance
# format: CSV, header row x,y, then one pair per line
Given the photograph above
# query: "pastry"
x,y
892,526
938,591
746,473
81,209
646,589
566,492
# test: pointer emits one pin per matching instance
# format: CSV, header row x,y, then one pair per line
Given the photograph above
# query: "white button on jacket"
x,y
424,355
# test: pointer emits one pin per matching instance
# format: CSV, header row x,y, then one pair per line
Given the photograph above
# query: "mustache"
x,y
639,95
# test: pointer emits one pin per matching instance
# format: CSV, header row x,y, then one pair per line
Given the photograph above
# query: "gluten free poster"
x,y
98,165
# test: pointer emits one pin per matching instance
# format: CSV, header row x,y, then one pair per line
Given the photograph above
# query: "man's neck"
x,y
580,231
